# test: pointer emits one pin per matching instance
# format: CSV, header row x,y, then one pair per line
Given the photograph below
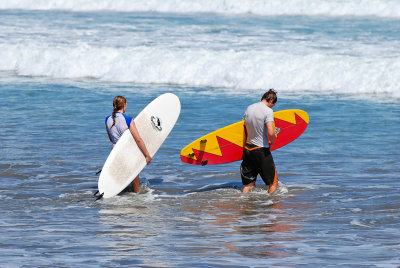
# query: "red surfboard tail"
x,y
230,153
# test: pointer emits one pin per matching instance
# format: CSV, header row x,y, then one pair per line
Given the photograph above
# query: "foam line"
x,y
378,8
234,70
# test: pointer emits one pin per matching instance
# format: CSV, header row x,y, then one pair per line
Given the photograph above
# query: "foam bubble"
x,y
357,222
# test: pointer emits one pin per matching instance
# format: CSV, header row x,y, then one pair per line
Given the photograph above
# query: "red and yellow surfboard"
x,y
226,144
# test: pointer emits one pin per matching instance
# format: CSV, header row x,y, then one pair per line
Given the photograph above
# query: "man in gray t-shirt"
x,y
257,117
260,131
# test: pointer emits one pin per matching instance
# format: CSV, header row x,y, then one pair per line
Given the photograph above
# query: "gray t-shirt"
x,y
122,123
256,117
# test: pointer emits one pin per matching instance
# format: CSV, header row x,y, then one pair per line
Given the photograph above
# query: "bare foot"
x,y
248,187
273,187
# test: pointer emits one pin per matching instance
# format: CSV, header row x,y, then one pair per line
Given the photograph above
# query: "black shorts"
x,y
257,161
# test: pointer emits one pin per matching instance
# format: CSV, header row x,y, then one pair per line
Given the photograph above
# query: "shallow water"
x,y
337,201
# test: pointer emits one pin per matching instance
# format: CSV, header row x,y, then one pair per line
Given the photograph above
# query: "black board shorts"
x,y
257,161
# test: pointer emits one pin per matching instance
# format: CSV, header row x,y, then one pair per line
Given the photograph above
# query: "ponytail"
x,y
118,104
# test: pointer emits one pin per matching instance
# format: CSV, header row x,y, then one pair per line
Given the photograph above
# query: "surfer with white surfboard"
x,y
117,124
134,149
260,137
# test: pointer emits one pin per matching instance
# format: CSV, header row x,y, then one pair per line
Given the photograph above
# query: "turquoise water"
x,y
337,202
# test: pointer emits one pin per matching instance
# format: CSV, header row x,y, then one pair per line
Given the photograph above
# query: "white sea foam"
x,y
235,70
379,8
357,222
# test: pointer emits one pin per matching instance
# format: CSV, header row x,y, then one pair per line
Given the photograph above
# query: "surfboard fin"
x,y
203,141
205,162
191,155
98,172
96,193
99,197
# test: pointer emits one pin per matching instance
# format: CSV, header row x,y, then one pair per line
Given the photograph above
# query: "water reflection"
x,y
220,222
252,225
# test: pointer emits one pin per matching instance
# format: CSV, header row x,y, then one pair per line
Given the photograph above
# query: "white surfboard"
x,y
126,160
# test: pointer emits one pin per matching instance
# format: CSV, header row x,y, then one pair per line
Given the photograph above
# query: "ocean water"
x,y
62,62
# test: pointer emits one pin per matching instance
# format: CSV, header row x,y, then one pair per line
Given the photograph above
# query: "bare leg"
x,y
248,187
274,185
135,185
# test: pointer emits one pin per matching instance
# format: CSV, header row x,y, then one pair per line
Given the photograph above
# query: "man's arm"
x,y
271,133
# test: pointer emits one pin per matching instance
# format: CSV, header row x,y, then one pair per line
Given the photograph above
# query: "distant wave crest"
x,y
235,70
377,8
